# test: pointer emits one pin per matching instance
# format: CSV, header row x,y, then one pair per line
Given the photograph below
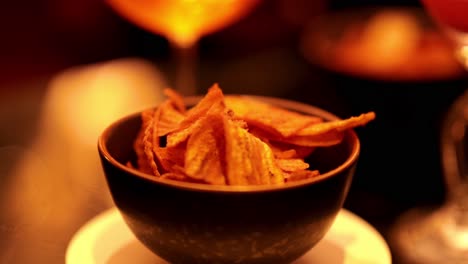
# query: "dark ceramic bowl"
x,y
197,223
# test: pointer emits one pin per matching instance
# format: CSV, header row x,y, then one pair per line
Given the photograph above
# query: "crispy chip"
x,y
180,136
204,158
175,99
270,118
284,150
213,97
284,154
330,138
155,122
340,125
170,157
249,161
290,165
327,133
147,141
144,163
212,102
232,140
169,120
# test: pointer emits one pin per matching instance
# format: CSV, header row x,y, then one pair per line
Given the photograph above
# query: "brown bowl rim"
x,y
294,105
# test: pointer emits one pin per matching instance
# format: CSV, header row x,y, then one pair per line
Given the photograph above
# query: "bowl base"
x,y
106,239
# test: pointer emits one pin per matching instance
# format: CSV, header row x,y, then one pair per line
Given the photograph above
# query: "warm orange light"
x,y
462,53
183,21
392,44
57,181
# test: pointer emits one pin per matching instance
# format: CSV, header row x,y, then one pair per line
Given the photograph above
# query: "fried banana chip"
x,y
175,99
144,163
212,102
284,154
339,125
290,165
213,97
329,138
249,161
169,119
233,140
204,158
283,150
148,143
321,134
268,117
170,157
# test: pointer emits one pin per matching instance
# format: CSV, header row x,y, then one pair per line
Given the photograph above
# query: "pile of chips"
x,y
232,140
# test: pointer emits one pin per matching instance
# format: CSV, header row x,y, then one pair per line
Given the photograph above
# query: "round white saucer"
x,y
106,239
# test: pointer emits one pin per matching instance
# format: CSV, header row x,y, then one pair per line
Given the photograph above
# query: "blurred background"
x,y
50,35
347,56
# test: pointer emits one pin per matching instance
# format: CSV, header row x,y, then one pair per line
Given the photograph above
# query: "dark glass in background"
x,y
400,164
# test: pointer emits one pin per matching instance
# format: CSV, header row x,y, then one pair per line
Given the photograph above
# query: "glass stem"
x,y
186,60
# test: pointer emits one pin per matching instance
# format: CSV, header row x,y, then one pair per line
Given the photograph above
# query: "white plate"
x,y
106,239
